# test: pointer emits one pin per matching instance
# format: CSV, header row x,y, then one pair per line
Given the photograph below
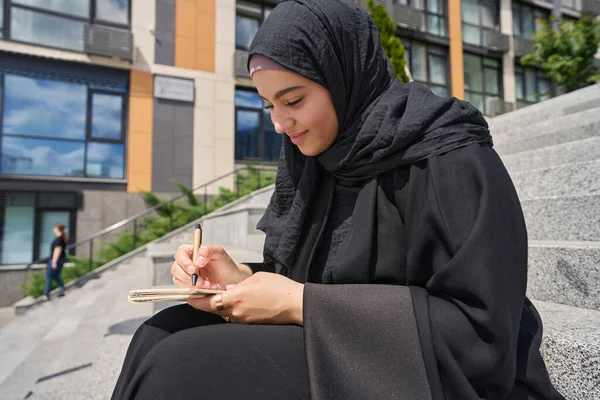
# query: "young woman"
x,y
57,259
395,261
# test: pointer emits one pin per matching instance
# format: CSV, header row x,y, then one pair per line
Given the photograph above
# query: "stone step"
x,y
571,349
565,273
563,218
546,157
583,125
575,179
556,107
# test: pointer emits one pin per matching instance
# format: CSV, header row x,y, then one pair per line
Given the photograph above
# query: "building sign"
x,y
169,88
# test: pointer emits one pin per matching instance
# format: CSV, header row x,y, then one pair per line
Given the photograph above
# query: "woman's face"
x,y
300,108
56,232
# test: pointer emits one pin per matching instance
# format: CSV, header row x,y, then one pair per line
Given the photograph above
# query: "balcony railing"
x,y
409,17
590,7
240,63
496,40
497,106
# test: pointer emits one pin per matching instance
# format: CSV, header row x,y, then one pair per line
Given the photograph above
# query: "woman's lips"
x,y
298,138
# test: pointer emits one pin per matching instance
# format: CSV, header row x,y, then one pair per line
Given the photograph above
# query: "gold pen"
x,y
196,248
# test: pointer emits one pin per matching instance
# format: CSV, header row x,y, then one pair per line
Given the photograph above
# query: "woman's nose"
x,y
282,123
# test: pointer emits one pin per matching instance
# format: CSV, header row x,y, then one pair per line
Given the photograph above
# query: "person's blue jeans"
x,y
54,274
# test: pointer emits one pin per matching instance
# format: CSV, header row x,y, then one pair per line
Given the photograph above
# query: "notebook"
x,y
173,293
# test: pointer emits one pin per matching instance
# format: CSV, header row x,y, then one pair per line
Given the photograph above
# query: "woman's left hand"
x,y
54,265
263,298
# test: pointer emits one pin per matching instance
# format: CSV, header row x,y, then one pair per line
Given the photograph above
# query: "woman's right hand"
x,y
214,267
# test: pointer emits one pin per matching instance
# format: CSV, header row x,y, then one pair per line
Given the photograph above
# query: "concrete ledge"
x,y
563,218
562,154
576,179
571,349
570,128
565,273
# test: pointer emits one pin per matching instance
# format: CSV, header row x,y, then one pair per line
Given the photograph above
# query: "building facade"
x,y
102,100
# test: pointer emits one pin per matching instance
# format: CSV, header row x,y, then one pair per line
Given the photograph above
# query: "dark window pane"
x,y
436,25
115,11
489,100
42,107
105,160
247,134
544,86
79,8
1,16
491,81
489,16
491,62
472,35
516,20
57,200
107,116
519,86
245,29
272,139
26,156
440,90
419,62
530,85
470,12
476,100
527,22
435,6
18,234
47,30
246,98
473,73
437,73
248,8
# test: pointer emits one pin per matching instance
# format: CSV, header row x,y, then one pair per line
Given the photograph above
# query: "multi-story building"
x,y
101,100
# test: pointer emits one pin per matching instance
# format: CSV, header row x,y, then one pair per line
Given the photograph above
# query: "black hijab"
x,y
383,124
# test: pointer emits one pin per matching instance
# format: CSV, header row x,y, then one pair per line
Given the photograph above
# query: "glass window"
x,y
489,16
519,86
27,156
476,100
36,107
472,35
107,118
544,86
247,134
437,65
18,228
245,29
78,8
470,13
527,21
246,98
105,160
440,90
516,12
419,62
248,8
473,72
114,11
47,30
272,138
435,6
436,25
491,81
530,85
1,16
44,108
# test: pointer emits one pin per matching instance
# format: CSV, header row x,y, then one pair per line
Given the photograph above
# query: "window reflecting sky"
x,y
105,160
246,98
107,116
27,156
41,107
245,29
80,8
115,11
47,30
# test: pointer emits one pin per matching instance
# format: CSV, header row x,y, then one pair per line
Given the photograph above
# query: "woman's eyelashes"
x,y
289,104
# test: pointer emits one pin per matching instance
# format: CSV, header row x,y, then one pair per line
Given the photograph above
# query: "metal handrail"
x,y
147,211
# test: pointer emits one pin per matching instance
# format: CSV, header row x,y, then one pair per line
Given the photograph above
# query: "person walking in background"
x,y
58,256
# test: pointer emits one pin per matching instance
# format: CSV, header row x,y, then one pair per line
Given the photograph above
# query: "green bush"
x,y
169,218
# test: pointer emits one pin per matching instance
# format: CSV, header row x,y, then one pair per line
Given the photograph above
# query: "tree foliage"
x,y
566,54
390,42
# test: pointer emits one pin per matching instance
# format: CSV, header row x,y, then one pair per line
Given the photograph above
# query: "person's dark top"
x,y
58,242
427,294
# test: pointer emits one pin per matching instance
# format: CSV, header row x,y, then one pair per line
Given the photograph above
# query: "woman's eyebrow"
x,y
283,92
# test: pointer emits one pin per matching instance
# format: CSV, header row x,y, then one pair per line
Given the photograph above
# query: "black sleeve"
x,y
453,328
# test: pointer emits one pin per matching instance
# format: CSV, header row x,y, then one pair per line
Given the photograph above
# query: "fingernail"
x,y
191,269
230,286
200,261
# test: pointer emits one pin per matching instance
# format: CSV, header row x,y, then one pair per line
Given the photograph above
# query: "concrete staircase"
x,y
72,347
552,151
